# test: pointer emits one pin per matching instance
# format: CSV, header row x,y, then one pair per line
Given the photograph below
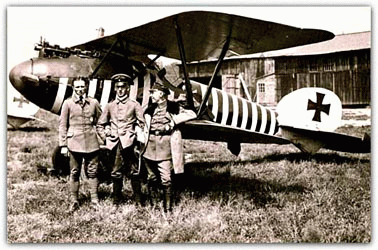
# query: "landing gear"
x,y
61,163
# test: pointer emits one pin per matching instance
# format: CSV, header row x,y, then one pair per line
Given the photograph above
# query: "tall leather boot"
x,y
93,189
74,193
153,195
167,198
136,185
117,190
178,187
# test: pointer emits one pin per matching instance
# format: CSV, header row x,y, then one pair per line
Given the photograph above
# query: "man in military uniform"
x,y
78,139
163,151
116,127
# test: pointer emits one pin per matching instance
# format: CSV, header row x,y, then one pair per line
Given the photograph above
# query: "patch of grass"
x,y
355,131
268,193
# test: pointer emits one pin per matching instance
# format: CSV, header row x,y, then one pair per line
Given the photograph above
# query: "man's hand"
x,y
140,135
169,126
108,131
64,151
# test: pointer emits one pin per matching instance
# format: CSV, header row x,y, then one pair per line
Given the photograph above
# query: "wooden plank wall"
x,y
345,73
348,76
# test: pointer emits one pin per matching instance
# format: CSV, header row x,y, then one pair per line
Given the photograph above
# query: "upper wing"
x,y
203,34
211,131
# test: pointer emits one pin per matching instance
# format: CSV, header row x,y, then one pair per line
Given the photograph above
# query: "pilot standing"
x,y
78,139
164,148
116,127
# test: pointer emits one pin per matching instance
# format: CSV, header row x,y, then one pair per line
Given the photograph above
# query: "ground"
x,y
268,193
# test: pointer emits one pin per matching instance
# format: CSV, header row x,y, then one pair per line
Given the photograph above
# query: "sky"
x,y
68,26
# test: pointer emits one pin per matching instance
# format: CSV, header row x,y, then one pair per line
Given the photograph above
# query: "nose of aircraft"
x,y
18,75
29,78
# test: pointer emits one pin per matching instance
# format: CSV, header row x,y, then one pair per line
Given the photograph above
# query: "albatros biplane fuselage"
x,y
47,80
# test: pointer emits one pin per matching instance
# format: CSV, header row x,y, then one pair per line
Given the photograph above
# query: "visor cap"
x,y
160,87
122,79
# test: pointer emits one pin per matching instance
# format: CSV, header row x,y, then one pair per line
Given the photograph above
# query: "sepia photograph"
x,y
188,124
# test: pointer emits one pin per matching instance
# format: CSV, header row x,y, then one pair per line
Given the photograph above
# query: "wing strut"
x,y
189,94
215,73
103,59
153,60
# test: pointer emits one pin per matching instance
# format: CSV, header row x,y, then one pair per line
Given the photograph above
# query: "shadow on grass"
x,y
30,129
205,179
297,157
223,186
321,158
201,180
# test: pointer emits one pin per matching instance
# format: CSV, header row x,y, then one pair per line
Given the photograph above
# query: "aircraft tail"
x,y
308,118
310,141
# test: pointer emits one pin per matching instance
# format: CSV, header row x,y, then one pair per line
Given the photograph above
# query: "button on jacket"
x,y
121,117
77,124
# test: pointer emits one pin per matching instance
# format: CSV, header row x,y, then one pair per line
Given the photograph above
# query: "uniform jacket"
x,y
169,145
118,122
77,124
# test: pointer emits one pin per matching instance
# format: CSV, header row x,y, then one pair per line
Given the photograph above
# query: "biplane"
x,y
305,118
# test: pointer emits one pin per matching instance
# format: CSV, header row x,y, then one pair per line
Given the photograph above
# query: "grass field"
x,y
269,193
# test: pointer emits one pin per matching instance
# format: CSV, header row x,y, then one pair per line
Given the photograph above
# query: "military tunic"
x,y
121,117
159,141
77,124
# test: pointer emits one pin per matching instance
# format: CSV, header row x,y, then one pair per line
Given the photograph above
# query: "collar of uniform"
x,y
162,106
77,99
123,99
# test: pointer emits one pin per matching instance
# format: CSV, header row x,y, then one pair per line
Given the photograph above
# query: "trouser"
x,y
90,170
163,169
159,169
125,163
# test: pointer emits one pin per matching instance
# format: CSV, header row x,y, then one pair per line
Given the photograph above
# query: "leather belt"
x,y
159,132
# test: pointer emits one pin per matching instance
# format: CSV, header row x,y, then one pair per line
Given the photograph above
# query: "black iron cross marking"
x,y
318,106
21,100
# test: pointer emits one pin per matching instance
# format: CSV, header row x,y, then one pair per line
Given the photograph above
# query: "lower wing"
x,y
17,121
310,141
211,131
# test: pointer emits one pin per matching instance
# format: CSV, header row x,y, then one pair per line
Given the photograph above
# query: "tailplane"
x,y
308,118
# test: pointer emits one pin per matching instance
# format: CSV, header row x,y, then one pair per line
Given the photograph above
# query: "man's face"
x,y
79,87
156,96
122,90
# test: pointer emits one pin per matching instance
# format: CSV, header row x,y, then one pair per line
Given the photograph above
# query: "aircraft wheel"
x,y
105,167
61,163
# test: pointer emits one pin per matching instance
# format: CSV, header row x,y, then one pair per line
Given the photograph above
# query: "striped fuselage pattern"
x,y
237,112
227,109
